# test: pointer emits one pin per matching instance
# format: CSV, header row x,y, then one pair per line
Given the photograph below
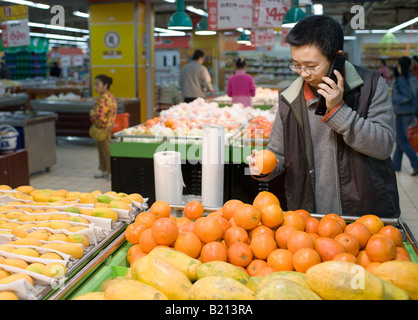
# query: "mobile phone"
x,y
338,65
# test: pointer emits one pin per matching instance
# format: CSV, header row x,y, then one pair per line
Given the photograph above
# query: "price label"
x,y
269,13
229,14
263,37
15,33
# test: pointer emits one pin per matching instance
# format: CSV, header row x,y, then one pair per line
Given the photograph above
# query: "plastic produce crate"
x,y
121,122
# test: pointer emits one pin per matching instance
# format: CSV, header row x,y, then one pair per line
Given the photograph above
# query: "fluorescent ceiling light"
x,y
30,4
166,32
403,25
200,12
50,26
350,37
77,43
57,36
243,30
81,14
318,9
379,31
170,1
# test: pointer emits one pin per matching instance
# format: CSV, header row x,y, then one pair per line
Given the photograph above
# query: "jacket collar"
x,y
352,81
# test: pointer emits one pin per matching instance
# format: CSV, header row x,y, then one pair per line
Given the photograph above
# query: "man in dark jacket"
x,y
340,162
4,71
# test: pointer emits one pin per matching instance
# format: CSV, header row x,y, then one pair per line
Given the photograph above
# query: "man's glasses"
x,y
307,70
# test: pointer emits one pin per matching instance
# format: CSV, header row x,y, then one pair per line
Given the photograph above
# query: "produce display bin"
x,y
112,260
36,135
73,116
100,232
13,102
132,165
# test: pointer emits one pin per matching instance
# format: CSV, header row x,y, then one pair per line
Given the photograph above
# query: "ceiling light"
x,y
318,9
180,20
81,14
202,28
54,27
403,25
200,12
350,37
244,39
56,36
170,1
30,4
166,32
293,15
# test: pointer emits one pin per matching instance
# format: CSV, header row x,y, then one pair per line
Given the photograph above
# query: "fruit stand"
x,y
44,242
73,115
180,129
113,265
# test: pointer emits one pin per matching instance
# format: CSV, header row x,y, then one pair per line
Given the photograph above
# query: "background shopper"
x,y
405,107
195,79
241,86
104,115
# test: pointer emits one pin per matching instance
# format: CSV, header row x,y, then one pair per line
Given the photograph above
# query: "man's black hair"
x,y
198,54
320,31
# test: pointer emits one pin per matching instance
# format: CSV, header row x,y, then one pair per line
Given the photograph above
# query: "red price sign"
x,y
15,33
269,13
263,37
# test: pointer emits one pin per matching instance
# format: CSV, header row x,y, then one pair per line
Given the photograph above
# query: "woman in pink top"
x,y
241,86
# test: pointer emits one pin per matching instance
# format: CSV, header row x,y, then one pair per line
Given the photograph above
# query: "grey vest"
x,y
367,185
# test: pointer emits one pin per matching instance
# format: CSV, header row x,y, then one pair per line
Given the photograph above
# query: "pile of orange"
x,y
259,127
260,238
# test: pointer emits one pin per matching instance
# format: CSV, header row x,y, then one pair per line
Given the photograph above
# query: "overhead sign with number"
x,y
269,13
229,14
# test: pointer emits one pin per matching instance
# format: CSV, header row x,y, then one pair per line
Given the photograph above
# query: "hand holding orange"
x,y
265,162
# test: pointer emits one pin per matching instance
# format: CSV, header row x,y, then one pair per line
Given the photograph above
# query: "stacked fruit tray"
x,y
183,123
47,235
259,252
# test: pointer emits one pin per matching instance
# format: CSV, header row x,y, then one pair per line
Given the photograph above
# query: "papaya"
x,y
132,290
221,268
180,260
392,292
402,274
341,280
219,288
284,289
160,274
108,282
298,277
90,296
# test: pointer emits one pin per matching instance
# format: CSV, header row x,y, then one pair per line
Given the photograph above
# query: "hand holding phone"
x,y
328,86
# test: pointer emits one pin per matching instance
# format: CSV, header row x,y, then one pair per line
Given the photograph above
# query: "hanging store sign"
x,y
15,33
269,13
229,14
263,37
14,26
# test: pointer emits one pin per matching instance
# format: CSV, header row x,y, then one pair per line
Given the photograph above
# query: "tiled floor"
x,y
77,163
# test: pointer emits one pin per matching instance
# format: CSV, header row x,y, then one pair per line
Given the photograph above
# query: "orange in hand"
x,y
265,161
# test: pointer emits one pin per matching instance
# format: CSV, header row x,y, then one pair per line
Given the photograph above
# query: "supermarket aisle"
x,y
77,162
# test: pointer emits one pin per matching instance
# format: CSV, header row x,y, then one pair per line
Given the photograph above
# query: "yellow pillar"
x,y
118,50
